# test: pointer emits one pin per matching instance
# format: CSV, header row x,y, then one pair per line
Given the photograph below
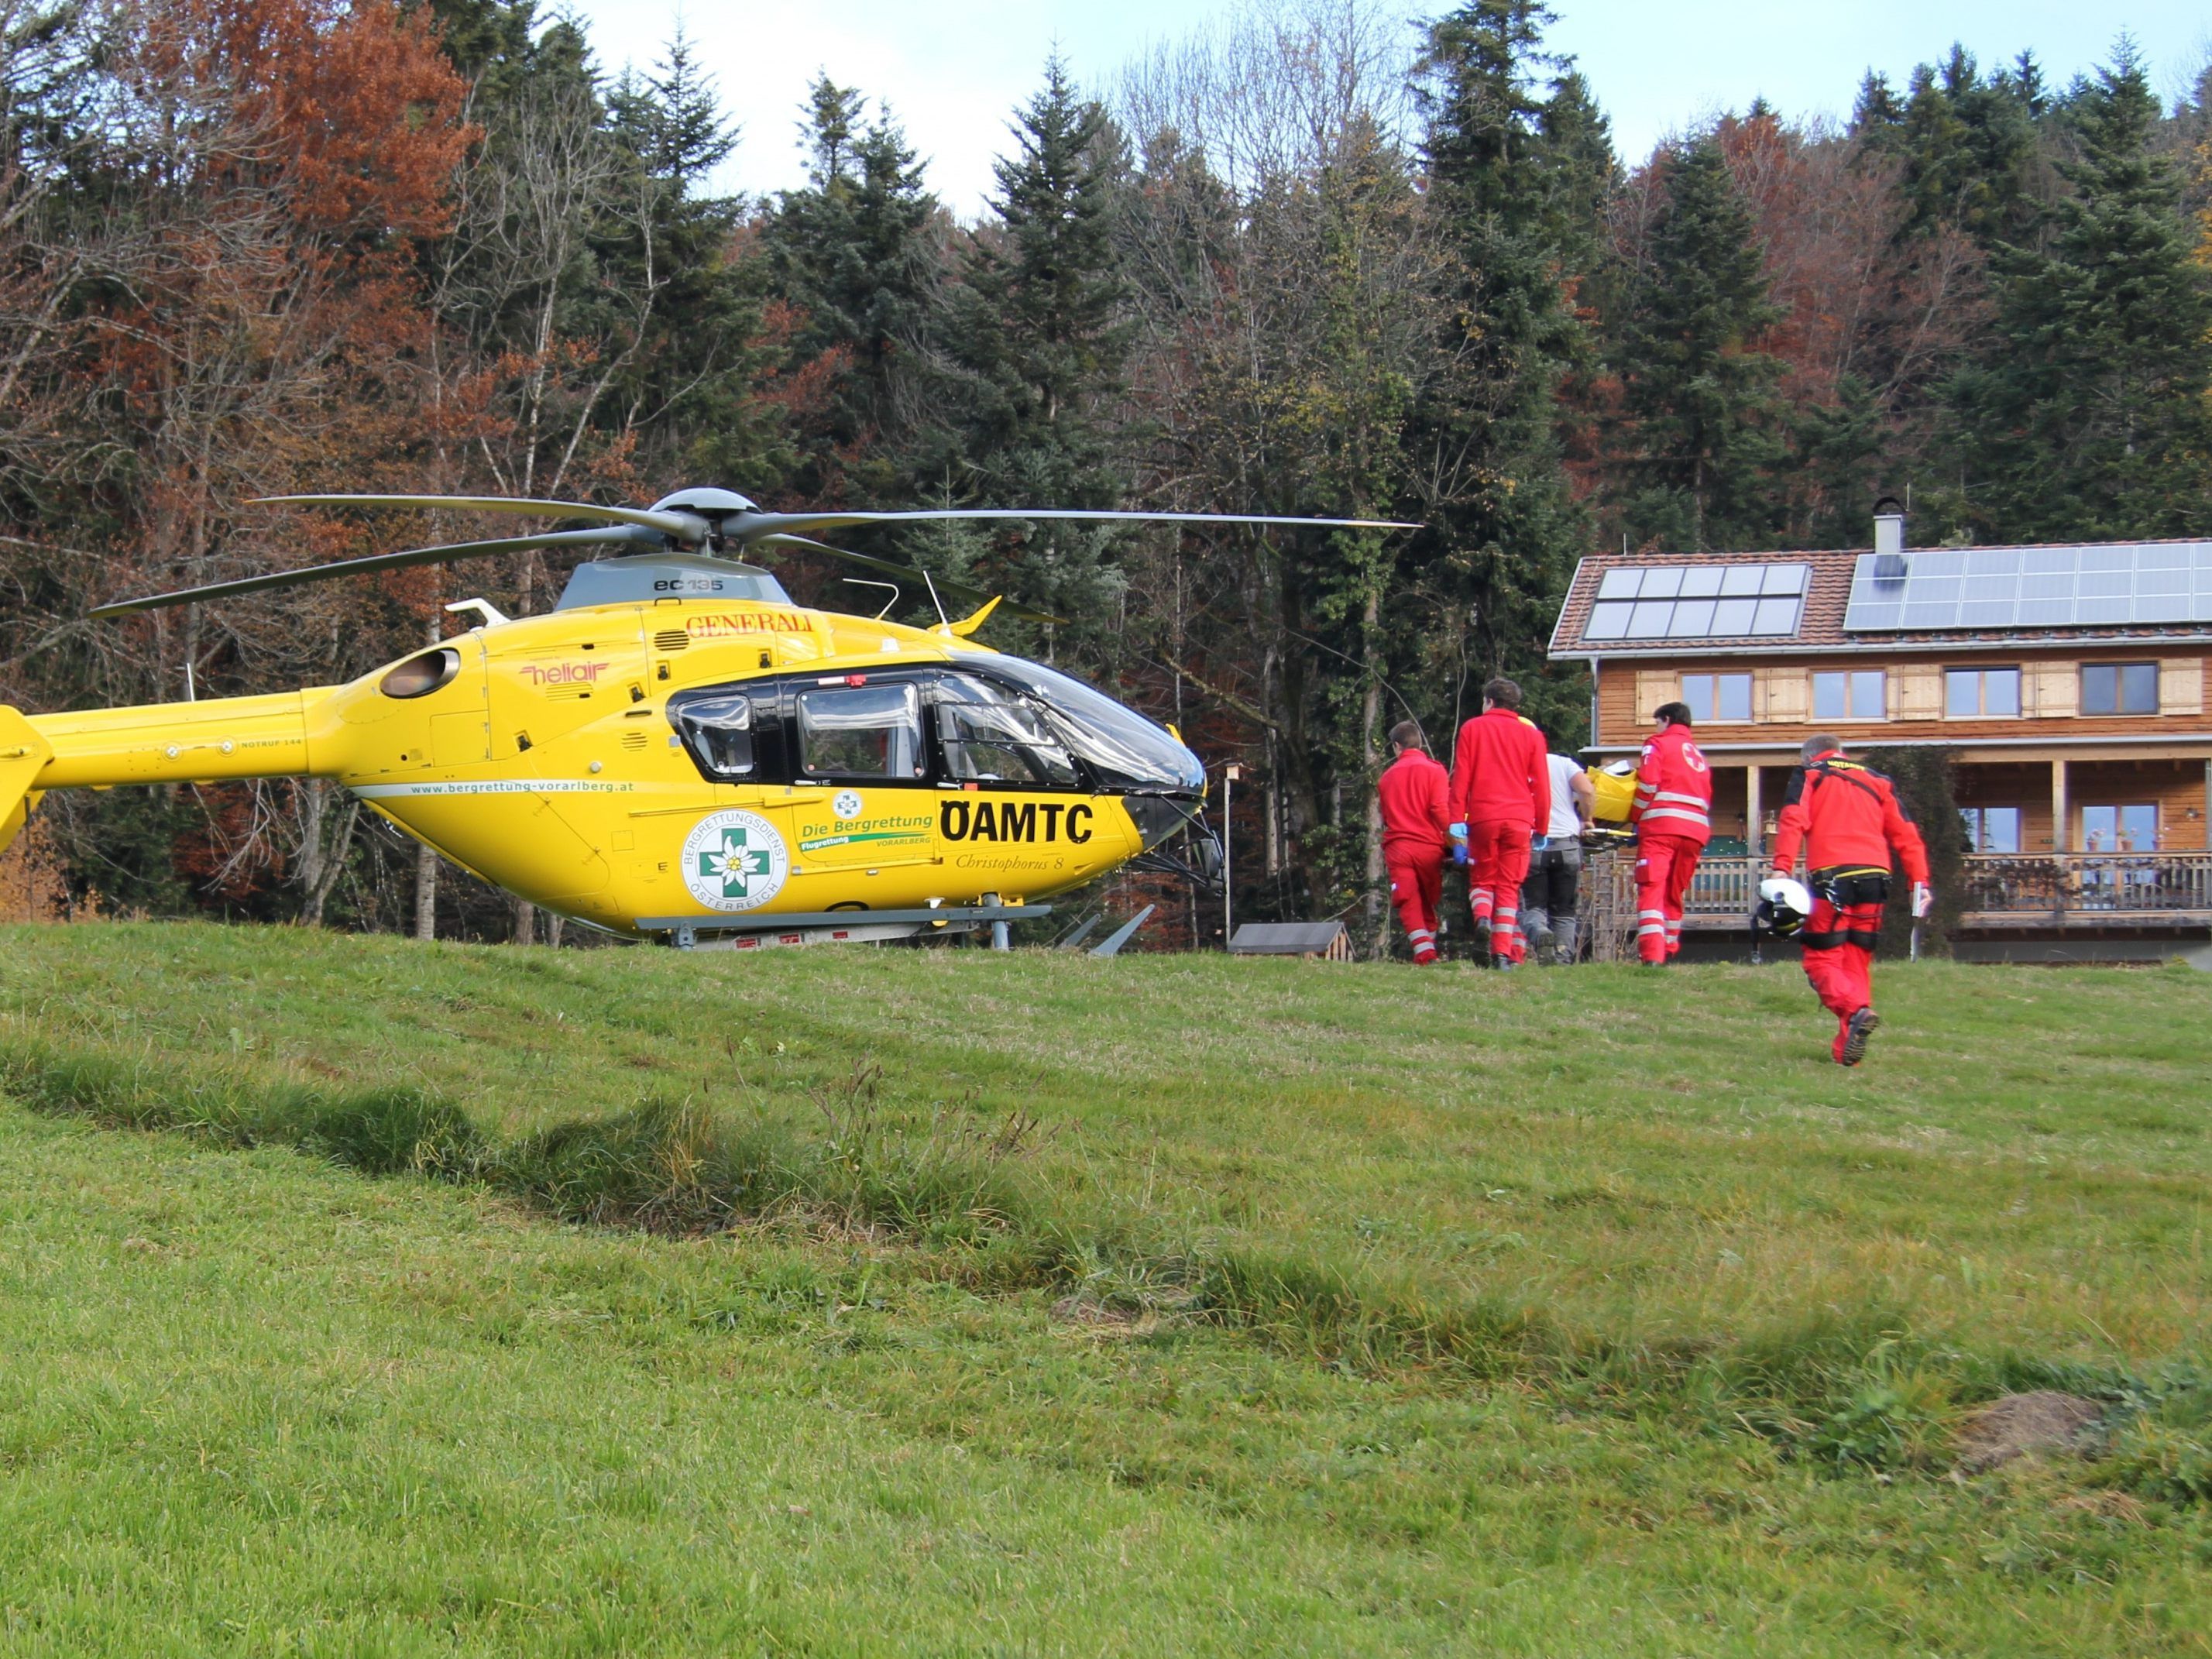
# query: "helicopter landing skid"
x,y
828,927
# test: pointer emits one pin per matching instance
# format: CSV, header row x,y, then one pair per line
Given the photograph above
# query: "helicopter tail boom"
x,y
223,737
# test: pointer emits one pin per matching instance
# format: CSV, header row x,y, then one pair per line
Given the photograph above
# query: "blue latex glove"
x,y
1459,832
1459,853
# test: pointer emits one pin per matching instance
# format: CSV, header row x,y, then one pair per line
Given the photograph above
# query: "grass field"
x,y
946,1303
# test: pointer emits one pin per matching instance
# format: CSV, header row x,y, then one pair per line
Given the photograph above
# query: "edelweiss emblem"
x,y
733,864
734,861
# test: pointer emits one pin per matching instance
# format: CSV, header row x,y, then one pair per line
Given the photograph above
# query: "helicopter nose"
x,y
1159,816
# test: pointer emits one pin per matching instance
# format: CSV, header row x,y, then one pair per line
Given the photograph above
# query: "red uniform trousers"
x,y
1665,867
1839,944
1417,887
1497,864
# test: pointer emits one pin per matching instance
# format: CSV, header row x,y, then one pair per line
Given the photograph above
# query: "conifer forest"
x,y
1315,262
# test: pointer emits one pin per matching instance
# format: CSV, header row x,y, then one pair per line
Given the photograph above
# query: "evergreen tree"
x,y
854,254
1045,330
1043,336
1970,145
2087,415
1520,167
498,46
1701,393
685,312
1877,113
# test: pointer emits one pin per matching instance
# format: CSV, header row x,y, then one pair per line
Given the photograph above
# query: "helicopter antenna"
x,y
943,621
862,581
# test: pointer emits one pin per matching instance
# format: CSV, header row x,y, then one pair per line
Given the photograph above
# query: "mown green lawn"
x,y
1328,1309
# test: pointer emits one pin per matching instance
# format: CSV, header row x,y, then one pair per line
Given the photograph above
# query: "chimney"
x,y
1889,539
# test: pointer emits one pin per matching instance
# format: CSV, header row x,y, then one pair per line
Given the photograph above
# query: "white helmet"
x,y
1783,905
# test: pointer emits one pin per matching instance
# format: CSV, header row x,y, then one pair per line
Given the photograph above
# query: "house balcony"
x,y
2113,893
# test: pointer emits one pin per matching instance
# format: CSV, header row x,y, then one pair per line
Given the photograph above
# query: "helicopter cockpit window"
x,y
720,732
1124,750
418,677
989,738
860,731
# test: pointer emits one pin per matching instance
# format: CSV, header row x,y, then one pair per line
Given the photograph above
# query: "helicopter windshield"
x,y
1127,750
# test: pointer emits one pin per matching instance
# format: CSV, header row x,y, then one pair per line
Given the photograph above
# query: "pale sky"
x,y
953,71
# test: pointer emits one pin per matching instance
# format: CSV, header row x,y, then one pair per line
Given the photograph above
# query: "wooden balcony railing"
x,y
2066,889
2086,888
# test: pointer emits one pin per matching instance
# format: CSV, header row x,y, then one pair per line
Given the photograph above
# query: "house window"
x,y
2120,829
1716,698
1991,829
1860,695
2119,688
1972,693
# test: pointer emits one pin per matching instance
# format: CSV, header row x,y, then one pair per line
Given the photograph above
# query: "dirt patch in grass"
x,y
2019,1424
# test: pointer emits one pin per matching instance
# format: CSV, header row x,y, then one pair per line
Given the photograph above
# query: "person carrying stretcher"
x,y
1847,819
1416,836
1501,800
1672,813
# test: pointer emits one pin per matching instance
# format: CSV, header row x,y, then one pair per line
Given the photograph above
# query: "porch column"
x,y
2058,826
2207,806
1754,815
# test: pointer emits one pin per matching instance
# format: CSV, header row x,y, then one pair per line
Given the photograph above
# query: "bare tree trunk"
x,y
426,893
323,838
1371,758
314,804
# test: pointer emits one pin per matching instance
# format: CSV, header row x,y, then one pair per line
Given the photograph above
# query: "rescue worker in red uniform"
x,y
1501,800
1847,819
1672,813
1417,838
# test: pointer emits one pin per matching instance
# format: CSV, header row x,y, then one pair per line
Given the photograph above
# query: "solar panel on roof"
x,y
1984,588
1699,602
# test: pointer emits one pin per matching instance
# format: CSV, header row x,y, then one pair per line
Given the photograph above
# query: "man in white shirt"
x,y
1549,896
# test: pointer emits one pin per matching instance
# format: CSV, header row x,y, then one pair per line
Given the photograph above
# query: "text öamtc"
x,y
1005,821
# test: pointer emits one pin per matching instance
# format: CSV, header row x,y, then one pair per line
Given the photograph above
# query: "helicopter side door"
x,y
862,770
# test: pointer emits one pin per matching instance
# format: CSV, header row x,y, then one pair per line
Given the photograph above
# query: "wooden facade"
x,y
2049,758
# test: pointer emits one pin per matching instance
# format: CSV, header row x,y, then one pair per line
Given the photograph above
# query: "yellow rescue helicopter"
x,y
678,751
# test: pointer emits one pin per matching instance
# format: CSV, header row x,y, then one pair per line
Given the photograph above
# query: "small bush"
x,y
386,1131
2163,1447
666,1166
1890,1421
1318,1307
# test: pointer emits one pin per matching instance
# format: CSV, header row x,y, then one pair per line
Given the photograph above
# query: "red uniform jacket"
x,y
1674,788
1845,817
1414,818
1499,774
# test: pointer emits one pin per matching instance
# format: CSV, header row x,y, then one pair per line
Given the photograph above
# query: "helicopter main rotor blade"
x,y
612,535
750,527
684,526
913,576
